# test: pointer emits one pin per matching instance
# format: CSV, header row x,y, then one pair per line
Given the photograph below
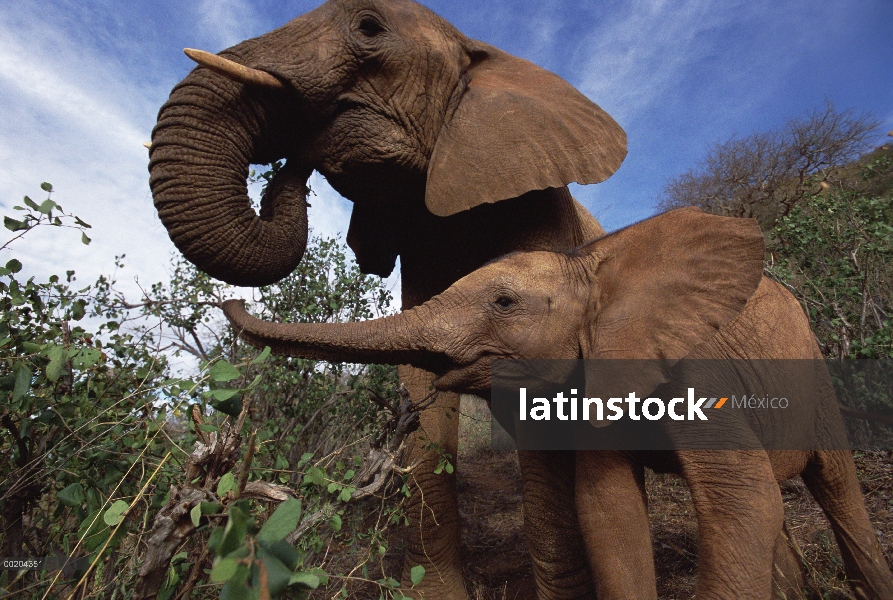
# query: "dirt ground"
x,y
495,554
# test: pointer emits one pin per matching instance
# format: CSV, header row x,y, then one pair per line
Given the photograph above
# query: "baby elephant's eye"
x,y
503,301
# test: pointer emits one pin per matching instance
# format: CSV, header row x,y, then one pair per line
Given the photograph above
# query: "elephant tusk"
x,y
233,70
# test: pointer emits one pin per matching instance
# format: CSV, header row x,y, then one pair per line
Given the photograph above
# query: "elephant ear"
x,y
518,128
661,288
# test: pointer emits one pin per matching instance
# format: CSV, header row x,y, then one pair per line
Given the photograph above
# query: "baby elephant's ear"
x,y
518,128
666,285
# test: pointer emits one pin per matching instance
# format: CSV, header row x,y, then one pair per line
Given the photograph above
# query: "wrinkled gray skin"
x,y
453,153
684,284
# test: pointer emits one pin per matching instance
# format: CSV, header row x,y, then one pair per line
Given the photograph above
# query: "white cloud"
x,y
73,116
225,23
681,76
640,53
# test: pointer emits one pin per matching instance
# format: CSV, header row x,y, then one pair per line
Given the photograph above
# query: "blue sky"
x,y
81,84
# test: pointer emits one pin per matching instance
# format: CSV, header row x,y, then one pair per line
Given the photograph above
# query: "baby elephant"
x,y
681,285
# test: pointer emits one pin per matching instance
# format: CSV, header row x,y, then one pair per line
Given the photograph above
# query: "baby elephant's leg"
x,y
740,517
613,514
551,526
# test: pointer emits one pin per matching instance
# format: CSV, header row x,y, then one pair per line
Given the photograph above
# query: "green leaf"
x,y
281,463
78,309
232,406
47,206
284,551
254,383
304,580
235,588
196,515
72,495
14,266
278,575
223,394
203,508
85,357
449,468
215,540
223,569
115,513
226,483
31,203
92,531
416,574
57,355
234,533
315,475
262,356
223,371
335,523
84,239
282,522
81,223
13,224
23,382
47,187
210,508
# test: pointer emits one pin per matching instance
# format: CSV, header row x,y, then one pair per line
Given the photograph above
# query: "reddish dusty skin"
x,y
609,300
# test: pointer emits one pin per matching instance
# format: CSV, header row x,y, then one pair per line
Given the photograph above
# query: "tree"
x,y
834,250
76,409
98,438
764,175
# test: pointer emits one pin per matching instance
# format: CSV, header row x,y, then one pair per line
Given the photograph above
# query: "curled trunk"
x,y
208,134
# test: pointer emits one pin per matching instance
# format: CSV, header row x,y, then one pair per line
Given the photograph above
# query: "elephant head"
x,y
654,290
390,103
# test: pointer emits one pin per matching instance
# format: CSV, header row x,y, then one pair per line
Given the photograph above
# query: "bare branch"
x,y
766,174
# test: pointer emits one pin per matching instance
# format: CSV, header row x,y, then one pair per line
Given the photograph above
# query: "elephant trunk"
x,y
208,133
404,338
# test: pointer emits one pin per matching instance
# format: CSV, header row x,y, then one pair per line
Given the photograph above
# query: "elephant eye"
x,y
370,26
504,301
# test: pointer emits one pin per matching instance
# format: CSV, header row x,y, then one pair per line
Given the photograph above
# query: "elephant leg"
x,y
831,478
788,573
433,535
613,513
552,530
740,517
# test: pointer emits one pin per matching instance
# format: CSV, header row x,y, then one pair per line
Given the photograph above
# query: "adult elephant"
x,y
453,152
684,285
